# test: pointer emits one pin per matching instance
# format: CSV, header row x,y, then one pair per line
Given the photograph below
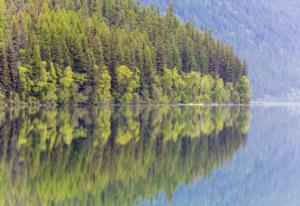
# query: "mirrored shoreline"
x,y
112,156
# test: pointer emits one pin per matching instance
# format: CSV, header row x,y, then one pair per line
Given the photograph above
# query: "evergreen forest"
x,y
112,52
264,33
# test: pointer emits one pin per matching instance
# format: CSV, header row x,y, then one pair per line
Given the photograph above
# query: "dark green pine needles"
x,y
111,51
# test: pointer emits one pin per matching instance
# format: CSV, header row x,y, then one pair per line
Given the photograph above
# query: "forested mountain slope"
x,y
111,51
265,33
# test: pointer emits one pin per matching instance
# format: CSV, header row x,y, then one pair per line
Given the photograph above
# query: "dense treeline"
x,y
104,156
111,51
271,46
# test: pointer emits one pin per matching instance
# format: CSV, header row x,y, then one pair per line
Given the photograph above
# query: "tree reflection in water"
x,y
112,156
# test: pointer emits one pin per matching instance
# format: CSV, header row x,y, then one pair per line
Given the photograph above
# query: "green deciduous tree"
x,y
206,88
220,94
102,86
243,88
26,83
192,88
49,49
66,84
172,85
128,84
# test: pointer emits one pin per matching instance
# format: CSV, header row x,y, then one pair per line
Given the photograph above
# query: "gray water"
x,y
150,156
265,172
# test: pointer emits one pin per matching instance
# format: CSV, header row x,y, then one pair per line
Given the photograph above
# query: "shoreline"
x,y
24,105
251,104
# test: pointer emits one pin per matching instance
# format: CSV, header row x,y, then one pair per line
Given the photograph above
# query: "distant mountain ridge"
x,y
265,33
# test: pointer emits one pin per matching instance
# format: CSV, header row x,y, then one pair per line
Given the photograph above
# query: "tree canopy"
x,y
111,51
271,46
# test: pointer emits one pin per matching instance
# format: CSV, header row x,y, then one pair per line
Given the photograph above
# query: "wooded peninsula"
x,y
111,52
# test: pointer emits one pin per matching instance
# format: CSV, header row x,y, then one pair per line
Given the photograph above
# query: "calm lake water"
x,y
150,156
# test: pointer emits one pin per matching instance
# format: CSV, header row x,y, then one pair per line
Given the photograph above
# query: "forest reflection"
x,y
112,156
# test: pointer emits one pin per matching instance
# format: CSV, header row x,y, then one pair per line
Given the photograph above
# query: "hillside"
x,y
111,51
265,33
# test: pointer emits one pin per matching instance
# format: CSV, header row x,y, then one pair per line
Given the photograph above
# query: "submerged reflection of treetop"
x,y
112,156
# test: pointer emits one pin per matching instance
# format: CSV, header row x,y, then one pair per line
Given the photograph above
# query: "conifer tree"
x,y
83,51
4,69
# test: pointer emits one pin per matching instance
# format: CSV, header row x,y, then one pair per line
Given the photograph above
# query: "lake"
x,y
150,155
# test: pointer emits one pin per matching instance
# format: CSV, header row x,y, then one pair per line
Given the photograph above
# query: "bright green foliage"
x,y
220,95
172,85
43,88
233,95
2,97
4,67
206,88
25,82
50,95
66,84
275,68
128,84
39,88
115,52
102,86
192,89
243,88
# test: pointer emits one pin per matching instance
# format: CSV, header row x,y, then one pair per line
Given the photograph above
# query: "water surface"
x,y
150,156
